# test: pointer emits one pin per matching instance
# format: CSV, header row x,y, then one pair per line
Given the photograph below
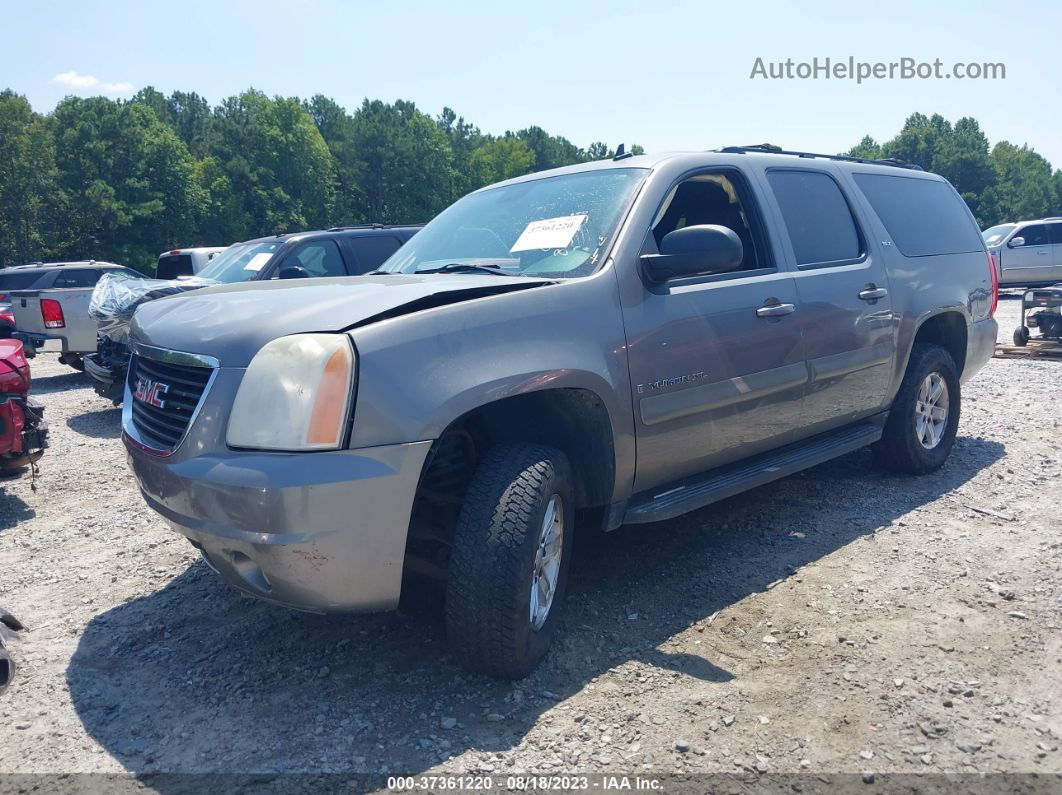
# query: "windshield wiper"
x,y
467,267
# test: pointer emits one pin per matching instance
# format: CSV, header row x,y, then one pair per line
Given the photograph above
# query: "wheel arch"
x,y
575,420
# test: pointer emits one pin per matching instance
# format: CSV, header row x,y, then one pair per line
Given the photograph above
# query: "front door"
x,y
845,306
717,363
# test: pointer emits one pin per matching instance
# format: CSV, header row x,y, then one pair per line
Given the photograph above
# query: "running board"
x,y
667,502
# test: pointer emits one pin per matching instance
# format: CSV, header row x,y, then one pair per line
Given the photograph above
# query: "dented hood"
x,y
232,322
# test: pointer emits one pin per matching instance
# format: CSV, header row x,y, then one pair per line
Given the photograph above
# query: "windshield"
x,y
240,262
552,227
995,234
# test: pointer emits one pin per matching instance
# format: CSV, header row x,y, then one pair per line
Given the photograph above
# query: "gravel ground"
x,y
839,621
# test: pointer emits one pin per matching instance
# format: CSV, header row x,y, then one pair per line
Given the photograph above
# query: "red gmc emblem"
x,y
151,392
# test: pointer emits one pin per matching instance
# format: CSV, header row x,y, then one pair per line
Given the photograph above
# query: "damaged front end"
x,y
113,303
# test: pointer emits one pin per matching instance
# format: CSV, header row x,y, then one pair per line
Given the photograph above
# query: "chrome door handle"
x,y
1043,253
775,310
873,293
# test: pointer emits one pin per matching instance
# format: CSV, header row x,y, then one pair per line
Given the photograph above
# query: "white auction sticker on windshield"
x,y
549,233
257,262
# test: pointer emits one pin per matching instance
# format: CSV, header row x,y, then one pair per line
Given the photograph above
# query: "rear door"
x,y
369,252
716,362
1032,261
1055,231
843,291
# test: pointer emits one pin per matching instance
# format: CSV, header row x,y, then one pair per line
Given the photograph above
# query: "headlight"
x,y
295,395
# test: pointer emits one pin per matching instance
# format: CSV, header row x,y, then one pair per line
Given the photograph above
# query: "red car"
x,y
23,431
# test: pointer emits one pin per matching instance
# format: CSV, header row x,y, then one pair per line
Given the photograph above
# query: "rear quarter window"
x,y
924,217
22,280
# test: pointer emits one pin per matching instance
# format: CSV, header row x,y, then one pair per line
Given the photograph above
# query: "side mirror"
x,y
1015,242
694,251
293,272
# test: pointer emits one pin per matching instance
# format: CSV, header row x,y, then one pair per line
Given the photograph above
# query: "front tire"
x,y
924,417
510,558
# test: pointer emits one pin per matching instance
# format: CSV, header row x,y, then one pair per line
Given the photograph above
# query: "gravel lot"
x,y
840,621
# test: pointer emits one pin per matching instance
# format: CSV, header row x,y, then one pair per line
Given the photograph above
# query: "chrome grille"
x,y
161,418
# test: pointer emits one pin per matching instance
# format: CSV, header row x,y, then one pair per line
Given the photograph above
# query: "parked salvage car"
x,y
1027,253
569,351
334,252
55,307
23,431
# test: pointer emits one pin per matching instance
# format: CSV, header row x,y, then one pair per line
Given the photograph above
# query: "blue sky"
x,y
666,75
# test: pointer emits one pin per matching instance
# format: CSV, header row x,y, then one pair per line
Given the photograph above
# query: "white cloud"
x,y
75,80
117,88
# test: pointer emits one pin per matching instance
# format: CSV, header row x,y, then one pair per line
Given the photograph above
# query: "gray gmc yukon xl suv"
x,y
608,343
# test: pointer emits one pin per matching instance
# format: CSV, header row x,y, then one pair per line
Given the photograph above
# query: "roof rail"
x,y
360,226
777,150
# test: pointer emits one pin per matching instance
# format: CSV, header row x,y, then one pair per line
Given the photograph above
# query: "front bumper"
x,y
322,531
980,345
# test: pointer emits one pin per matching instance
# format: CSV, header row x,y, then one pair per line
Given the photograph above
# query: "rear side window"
x,y
173,265
817,217
1056,233
22,280
372,251
924,217
82,277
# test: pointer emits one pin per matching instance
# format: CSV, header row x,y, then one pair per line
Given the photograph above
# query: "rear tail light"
x,y
993,270
52,313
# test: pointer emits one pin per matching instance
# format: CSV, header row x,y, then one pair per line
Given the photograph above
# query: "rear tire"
x,y
498,558
917,437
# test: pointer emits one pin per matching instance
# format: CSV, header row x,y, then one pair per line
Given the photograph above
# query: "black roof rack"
x,y
368,226
777,150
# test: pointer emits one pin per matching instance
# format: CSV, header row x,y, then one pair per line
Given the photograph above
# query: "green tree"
x,y
28,217
279,167
867,149
337,129
128,182
1024,185
499,158
405,161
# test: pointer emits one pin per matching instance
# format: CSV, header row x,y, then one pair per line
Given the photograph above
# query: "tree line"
x,y
124,180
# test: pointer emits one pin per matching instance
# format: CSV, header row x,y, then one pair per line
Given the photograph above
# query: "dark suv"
x,y
340,251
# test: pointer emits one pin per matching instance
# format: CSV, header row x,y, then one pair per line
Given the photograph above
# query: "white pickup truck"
x,y
54,313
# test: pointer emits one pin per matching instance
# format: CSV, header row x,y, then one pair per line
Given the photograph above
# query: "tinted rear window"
x,y
923,217
817,217
173,265
19,281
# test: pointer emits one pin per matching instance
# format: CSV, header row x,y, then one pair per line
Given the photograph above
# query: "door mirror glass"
x,y
1015,242
699,250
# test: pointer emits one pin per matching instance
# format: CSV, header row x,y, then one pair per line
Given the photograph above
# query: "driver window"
x,y
1034,235
711,199
319,258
